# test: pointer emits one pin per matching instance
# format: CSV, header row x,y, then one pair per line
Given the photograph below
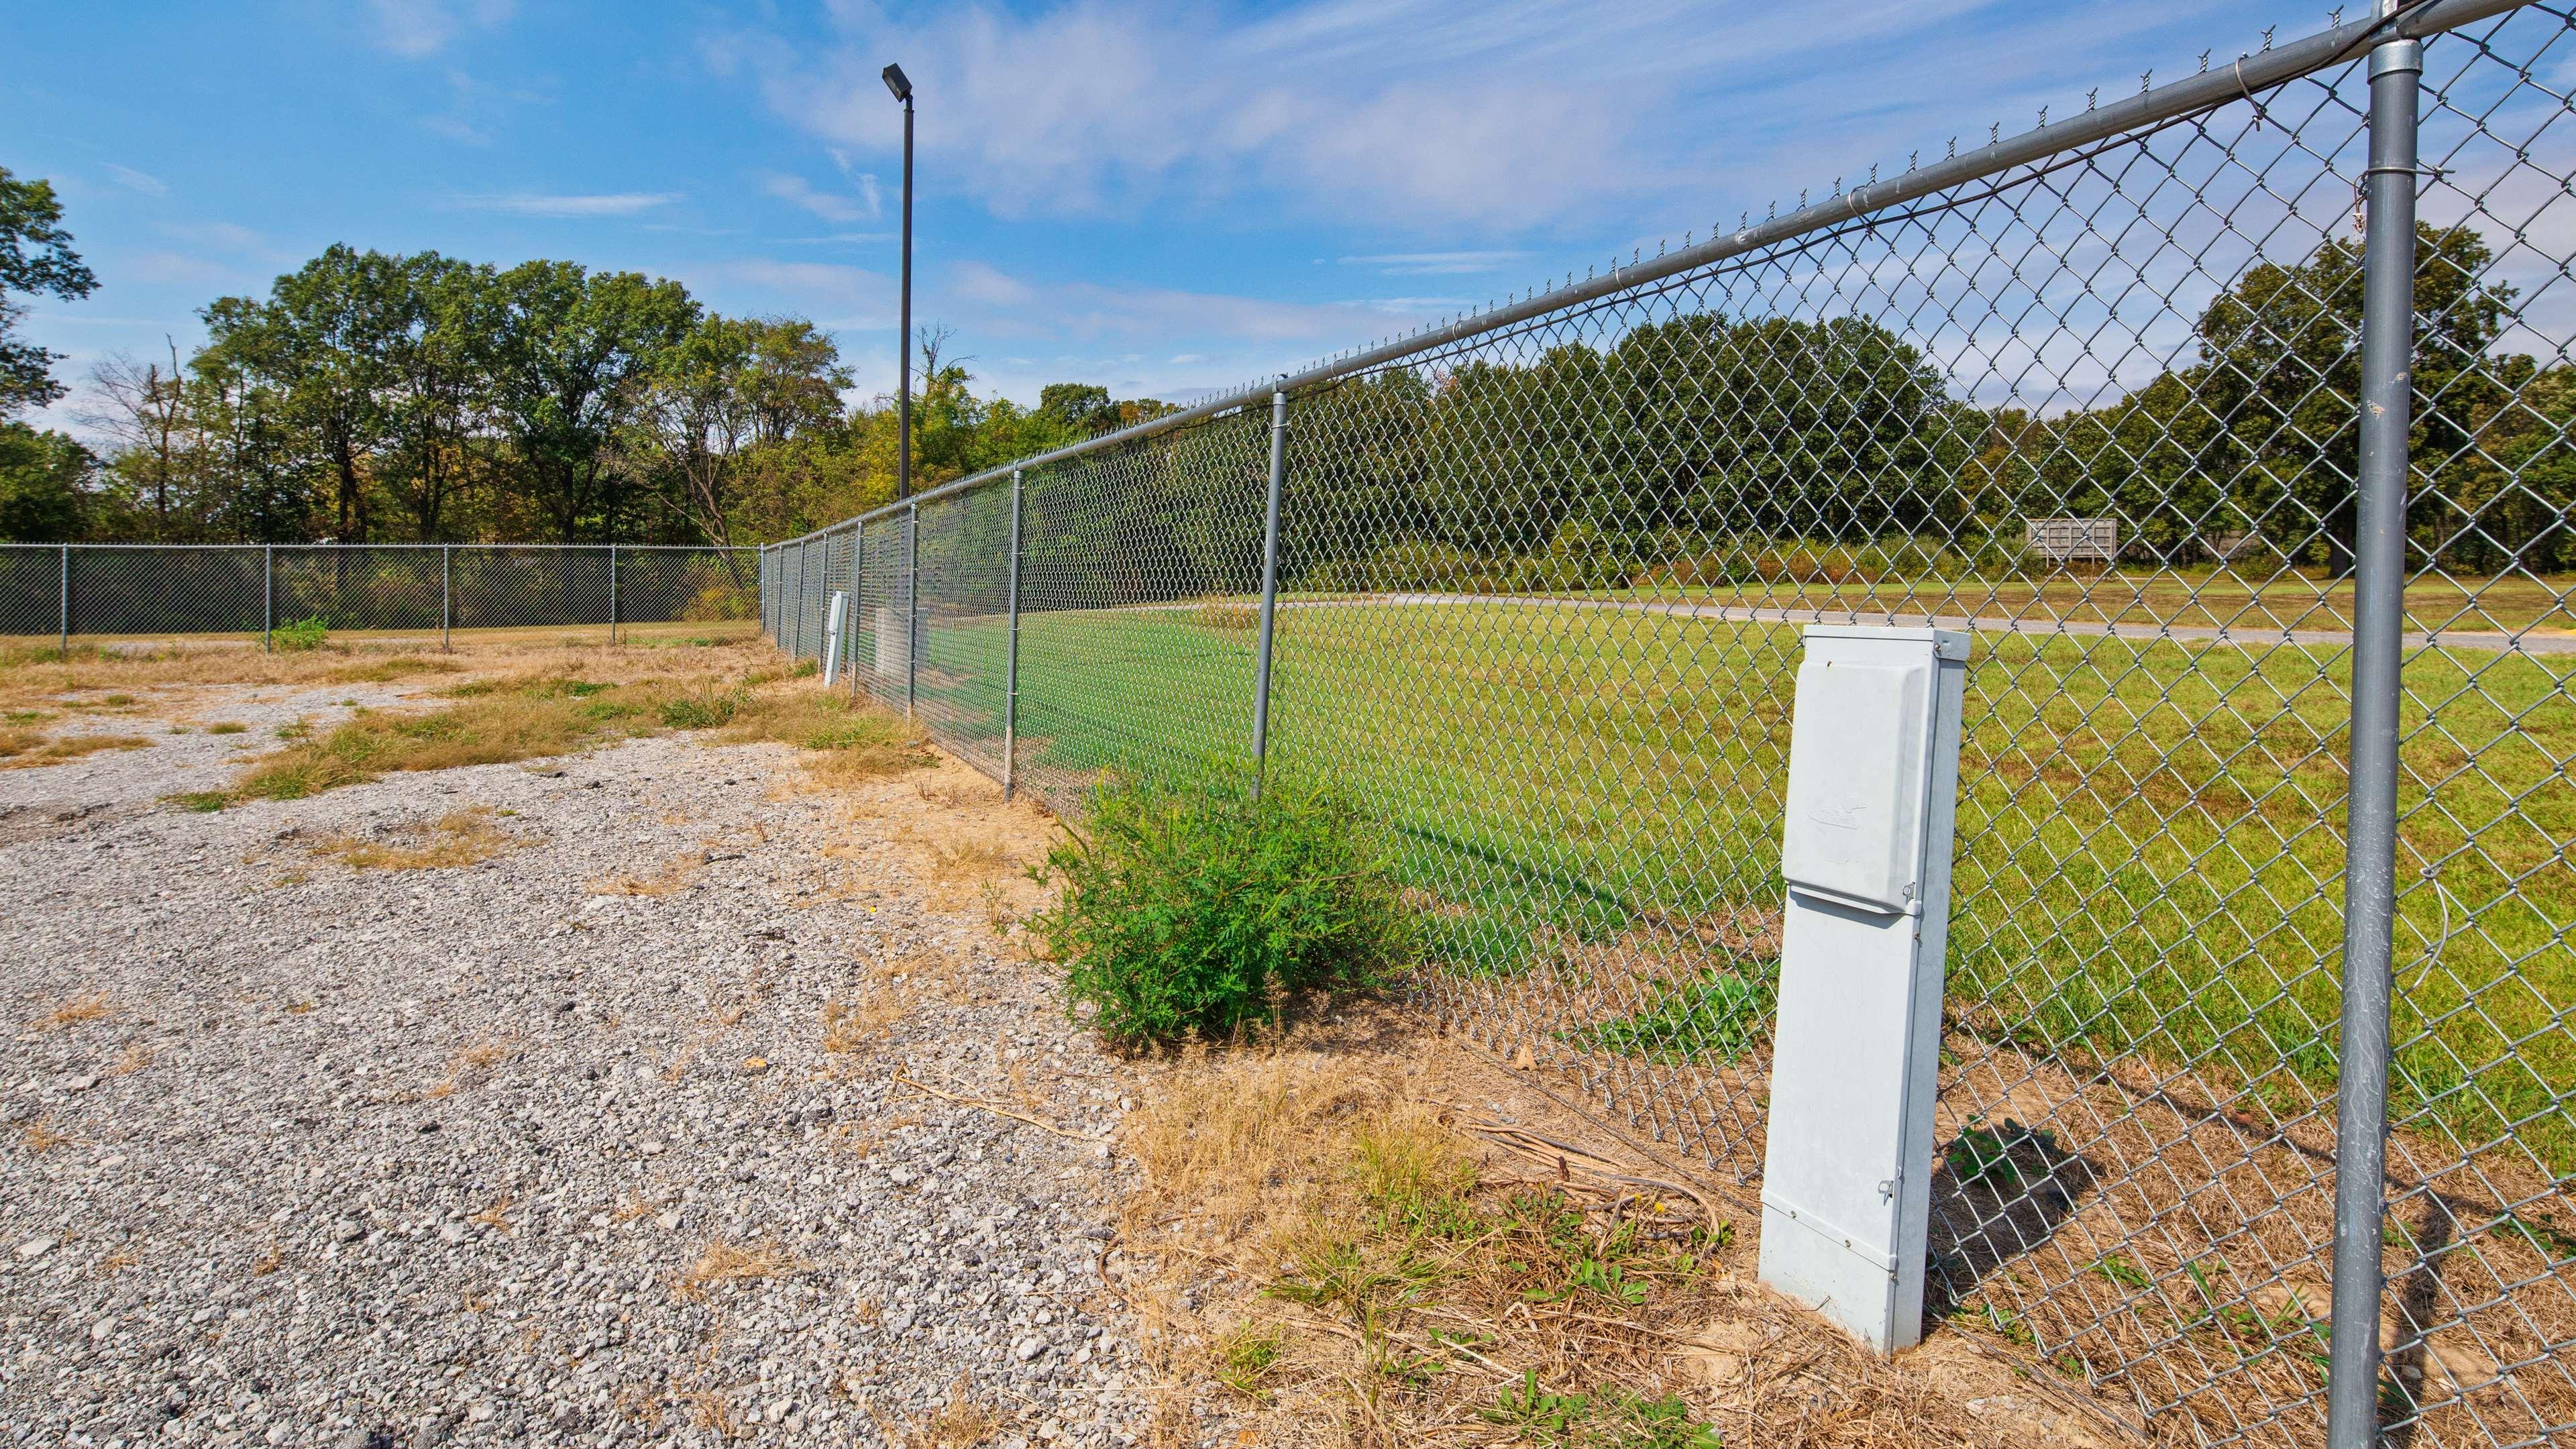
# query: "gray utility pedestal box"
x,y
1873,784
835,619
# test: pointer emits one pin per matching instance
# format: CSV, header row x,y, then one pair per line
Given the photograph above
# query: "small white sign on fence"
x,y
2067,539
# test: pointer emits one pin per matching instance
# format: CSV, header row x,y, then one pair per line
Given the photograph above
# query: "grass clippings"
x,y
37,1137
669,878
458,838
89,1006
722,1263
961,1423
855,1028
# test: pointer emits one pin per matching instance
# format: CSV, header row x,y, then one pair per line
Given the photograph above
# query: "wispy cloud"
x,y
525,203
133,180
797,191
1435,264
418,28
226,236
1421,114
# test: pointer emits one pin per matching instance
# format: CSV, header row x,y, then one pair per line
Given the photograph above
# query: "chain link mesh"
x,y
1540,602
115,591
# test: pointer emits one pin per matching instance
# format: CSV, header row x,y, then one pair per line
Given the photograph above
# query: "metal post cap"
x,y
2394,56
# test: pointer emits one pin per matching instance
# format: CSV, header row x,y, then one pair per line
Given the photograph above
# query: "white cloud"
x,y
177,268
1396,116
523,203
797,191
143,181
810,286
977,282
222,236
418,28
1434,264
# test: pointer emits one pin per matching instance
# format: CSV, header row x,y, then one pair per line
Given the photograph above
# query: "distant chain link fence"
x,y
2096,393
60,592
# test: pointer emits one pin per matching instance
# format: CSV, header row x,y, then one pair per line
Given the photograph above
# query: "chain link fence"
x,y
56,593
2095,393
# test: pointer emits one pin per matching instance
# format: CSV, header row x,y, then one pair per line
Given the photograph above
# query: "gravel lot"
x,y
300,1154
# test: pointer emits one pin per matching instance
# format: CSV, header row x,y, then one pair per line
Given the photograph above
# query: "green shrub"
x,y
1196,910
303,634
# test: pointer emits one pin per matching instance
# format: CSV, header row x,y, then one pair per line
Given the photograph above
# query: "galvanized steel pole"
x,y
65,619
2370,827
612,593
268,597
1269,587
912,605
1011,660
850,620
447,598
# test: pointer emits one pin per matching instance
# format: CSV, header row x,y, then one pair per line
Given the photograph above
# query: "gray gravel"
x,y
276,1195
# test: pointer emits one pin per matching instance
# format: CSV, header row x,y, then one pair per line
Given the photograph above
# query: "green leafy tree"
x,y
567,359
42,477
2281,371
327,343
731,386
36,259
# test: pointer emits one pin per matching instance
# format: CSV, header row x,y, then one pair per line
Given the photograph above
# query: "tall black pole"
x,y
903,346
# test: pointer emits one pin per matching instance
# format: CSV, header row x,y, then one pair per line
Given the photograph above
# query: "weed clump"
x,y
1196,910
302,636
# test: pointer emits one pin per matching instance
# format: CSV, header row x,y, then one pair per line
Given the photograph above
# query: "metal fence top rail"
x,y
548,547
2237,80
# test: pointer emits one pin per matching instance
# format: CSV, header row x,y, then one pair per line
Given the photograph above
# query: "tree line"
x,y
1701,449
375,397
370,397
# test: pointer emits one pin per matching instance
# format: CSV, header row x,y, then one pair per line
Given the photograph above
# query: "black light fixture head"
x,y
895,82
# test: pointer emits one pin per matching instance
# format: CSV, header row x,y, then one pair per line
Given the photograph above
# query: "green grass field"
x,y
2149,851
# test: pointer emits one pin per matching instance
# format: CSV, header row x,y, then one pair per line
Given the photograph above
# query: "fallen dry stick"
x,y
995,1109
1567,1159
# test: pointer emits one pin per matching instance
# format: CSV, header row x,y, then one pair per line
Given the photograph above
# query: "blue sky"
x,y
1161,197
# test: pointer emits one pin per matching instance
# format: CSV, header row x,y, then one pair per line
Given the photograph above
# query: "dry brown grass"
x,y
133,1059
39,677
962,1423
844,745
517,701
38,1137
848,1028
469,1064
458,838
1371,1265
669,878
89,1006
722,1262
27,749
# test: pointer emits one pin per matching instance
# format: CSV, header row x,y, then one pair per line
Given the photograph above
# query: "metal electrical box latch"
x,y
1873,786
834,616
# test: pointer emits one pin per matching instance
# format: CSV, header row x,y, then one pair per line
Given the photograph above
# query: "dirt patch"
x,y
1349,1236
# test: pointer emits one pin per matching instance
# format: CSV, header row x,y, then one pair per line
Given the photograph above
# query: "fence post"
x,y
268,597
912,606
850,621
1011,660
447,597
2370,825
66,617
612,593
1269,588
